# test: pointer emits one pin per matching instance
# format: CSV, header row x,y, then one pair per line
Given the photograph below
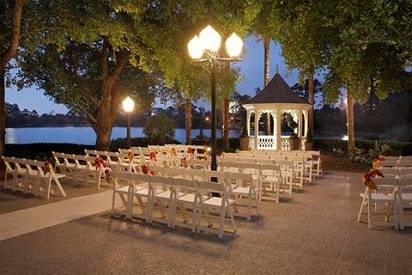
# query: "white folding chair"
x,y
405,201
221,205
270,181
381,203
243,186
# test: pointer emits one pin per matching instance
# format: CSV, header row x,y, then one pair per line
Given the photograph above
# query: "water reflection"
x,y
85,135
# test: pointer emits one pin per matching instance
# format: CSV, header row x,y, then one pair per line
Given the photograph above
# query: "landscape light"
x,y
210,39
195,48
234,45
128,104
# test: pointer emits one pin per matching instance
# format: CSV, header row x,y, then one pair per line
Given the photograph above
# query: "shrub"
x,y
159,129
395,148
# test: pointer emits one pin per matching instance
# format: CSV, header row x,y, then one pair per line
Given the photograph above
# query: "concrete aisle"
x,y
20,222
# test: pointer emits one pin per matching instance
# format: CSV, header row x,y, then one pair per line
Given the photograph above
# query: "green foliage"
x,y
334,145
366,156
159,128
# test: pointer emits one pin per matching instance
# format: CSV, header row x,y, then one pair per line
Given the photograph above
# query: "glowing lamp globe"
x,y
234,45
210,39
195,48
128,104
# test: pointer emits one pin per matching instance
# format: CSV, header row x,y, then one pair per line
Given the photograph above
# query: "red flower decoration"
x,y
369,176
146,170
152,156
99,162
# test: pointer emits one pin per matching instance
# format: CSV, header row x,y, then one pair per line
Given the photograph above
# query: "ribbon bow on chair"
x,y
367,178
99,163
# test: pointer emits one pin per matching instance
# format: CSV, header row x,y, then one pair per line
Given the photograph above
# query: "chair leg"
x,y
361,209
369,214
5,179
221,222
199,218
194,218
232,219
113,201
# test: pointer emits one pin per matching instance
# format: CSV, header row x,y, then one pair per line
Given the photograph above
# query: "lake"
x,y
85,135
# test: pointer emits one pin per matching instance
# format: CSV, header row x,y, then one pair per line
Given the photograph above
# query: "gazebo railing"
x,y
266,142
285,144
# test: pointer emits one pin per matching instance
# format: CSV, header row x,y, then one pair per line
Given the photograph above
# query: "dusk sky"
x,y
251,69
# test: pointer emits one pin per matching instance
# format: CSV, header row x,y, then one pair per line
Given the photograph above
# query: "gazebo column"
x,y
305,114
273,117
248,122
256,128
278,131
299,123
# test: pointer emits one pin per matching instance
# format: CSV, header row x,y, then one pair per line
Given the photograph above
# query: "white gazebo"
x,y
276,101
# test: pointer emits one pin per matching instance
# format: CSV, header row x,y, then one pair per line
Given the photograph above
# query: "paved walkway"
x,y
313,233
24,221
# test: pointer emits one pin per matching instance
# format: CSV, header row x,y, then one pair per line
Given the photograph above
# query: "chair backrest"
x,y
390,161
211,175
385,182
228,166
60,158
248,167
121,175
135,178
389,171
186,185
157,170
198,164
159,182
405,173
194,174
405,161
240,179
9,162
272,170
174,172
206,187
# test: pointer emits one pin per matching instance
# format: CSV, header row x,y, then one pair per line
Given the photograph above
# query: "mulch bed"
x,y
342,163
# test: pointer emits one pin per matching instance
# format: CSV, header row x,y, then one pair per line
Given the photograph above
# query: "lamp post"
x,y
204,48
128,106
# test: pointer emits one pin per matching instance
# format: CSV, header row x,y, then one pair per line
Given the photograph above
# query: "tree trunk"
x,y
108,108
2,112
225,124
266,75
188,120
103,127
9,53
350,117
311,92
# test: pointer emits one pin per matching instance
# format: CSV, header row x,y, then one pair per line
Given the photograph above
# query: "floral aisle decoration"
x,y
100,163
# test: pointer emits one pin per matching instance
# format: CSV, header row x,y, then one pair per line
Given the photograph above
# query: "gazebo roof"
x,y
277,91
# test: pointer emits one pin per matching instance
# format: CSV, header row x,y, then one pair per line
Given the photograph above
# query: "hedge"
x,y
397,148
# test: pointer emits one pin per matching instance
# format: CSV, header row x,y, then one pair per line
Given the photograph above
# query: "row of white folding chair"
x,y
396,161
293,171
305,168
115,160
178,151
80,167
392,197
240,185
32,176
272,178
173,193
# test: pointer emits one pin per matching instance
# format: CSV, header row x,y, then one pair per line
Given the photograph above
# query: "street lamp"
x,y
128,106
204,48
